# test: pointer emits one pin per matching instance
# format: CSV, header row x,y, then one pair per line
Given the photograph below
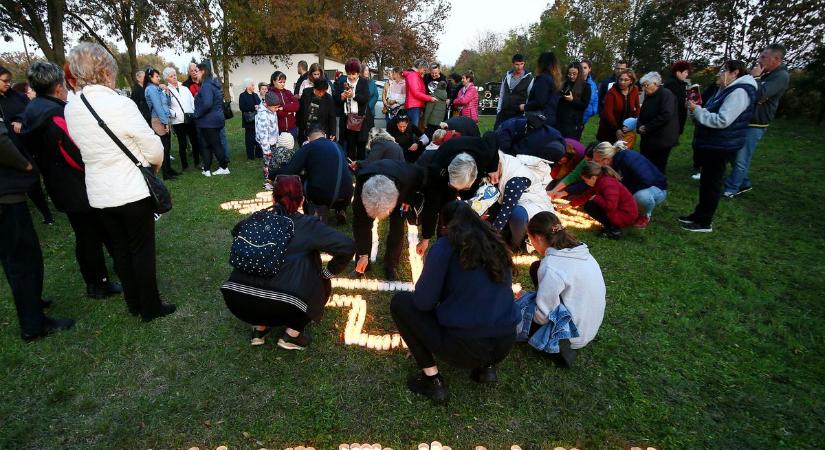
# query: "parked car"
x,y
380,119
488,98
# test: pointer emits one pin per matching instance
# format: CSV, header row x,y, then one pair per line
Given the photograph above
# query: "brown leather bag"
x,y
354,122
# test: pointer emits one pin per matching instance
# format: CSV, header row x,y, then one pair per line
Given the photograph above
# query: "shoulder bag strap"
x,y
176,99
338,150
109,132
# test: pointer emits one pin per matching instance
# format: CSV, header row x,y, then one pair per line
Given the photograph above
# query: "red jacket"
x,y
286,116
416,92
467,99
614,112
616,201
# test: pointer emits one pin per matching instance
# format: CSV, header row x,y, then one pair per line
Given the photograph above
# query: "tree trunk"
x,y
54,13
322,55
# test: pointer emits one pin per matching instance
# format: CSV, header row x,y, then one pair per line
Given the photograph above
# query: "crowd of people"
x,y
429,167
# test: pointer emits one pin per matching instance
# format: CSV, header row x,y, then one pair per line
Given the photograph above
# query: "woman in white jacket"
x,y
114,185
521,180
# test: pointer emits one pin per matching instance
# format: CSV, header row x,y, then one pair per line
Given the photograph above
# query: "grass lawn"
x,y
709,340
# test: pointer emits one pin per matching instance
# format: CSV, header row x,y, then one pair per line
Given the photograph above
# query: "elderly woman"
x,y
721,126
248,102
182,104
380,145
352,94
381,190
467,99
620,102
209,119
575,97
296,295
658,122
113,184
159,104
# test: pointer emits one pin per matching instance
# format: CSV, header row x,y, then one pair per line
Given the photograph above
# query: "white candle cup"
x,y
435,445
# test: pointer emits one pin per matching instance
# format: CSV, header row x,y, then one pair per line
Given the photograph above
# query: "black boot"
x,y
103,289
432,387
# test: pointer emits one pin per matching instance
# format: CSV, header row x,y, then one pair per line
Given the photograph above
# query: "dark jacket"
x,y
464,125
58,158
362,97
13,104
316,110
247,103
298,83
545,142
570,115
412,135
382,150
603,88
15,181
209,105
509,98
544,98
467,302
437,191
660,119
408,179
679,90
323,161
139,97
771,86
300,276
637,171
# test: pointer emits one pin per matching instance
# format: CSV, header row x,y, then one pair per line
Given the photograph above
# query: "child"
x,y
608,201
436,110
629,128
266,131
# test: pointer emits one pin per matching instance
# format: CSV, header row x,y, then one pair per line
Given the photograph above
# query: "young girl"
x,y
608,201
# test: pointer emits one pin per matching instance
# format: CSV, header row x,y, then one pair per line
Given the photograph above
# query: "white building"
x,y
259,68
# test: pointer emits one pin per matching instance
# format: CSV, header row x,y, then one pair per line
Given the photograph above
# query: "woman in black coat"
x,y
544,96
248,103
408,136
575,96
352,93
678,85
296,295
658,123
317,109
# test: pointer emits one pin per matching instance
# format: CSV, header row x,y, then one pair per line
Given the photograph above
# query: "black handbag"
x,y
157,190
248,117
188,118
227,110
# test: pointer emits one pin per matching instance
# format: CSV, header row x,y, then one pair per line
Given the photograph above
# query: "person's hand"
x,y
521,107
619,134
405,207
17,127
361,265
568,97
421,247
642,129
332,138
756,71
591,197
553,194
625,130
562,206
164,87
29,167
414,147
691,105
493,177
519,294
353,166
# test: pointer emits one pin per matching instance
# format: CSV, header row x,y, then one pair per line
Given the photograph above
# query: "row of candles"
x,y
435,445
353,331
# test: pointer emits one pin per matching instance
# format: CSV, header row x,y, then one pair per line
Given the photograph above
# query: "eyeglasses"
x,y
5,80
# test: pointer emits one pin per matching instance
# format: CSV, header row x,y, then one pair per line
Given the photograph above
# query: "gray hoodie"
x,y
735,103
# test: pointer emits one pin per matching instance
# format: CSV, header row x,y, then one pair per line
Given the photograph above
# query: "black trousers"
x,y
598,214
427,339
249,140
657,155
263,311
356,150
89,238
166,167
713,165
38,197
212,146
187,135
131,228
362,232
23,264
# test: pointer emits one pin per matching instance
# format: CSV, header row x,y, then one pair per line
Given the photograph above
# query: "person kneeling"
x,y
298,291
462,310
608,201
566,311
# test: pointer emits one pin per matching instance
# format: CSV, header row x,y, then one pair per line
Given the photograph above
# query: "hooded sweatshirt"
x,y
571,276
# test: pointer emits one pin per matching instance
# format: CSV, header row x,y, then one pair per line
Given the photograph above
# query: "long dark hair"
x,y
549,226
577,87
207,71
549,65
477,243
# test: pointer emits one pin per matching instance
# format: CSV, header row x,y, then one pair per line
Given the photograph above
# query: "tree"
x,y
17,63
41,20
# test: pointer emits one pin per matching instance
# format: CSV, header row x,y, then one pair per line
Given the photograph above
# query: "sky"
x,y
468,19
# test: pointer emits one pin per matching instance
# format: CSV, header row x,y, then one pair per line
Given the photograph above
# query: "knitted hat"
x,y
286,140
630,122
272,99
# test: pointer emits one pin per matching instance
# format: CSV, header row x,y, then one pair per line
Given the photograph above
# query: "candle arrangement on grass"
x,y
353,330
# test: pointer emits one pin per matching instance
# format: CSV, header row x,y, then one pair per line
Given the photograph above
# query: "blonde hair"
x,y
594,169
92,64
608,150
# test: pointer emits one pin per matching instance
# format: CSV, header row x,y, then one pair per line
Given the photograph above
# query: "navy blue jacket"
x,y
467,302
731,138
637,171
209,105
544,98
545,142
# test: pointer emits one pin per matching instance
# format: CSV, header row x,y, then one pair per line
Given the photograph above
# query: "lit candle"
x,y
435,445
343,447
362,341
423,447
396,340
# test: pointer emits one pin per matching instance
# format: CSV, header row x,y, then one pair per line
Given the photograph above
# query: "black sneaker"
x,y
433,387
686,219
45,303
259,336
698,227
301,342
164,310
484,375
103,290
611,233
390,275
52,326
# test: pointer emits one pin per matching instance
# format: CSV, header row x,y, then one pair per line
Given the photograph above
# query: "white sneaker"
x,y
696,176
206,173
268,186
222,172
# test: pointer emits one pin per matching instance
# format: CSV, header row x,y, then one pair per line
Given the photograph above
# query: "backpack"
x,y
259,243
280,157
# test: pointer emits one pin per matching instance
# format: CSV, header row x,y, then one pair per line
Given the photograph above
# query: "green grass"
x,y
709,341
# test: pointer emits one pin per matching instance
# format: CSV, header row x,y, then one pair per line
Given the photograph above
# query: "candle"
x,y
343,447
435,445
423,447
396,340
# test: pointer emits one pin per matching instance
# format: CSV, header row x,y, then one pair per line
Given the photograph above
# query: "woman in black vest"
x,y
720,132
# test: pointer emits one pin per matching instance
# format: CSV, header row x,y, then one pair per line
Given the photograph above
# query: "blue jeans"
x,y
738,178
225,145
647,199
518,226
414,114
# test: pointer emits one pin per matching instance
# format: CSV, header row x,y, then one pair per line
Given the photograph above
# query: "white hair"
x,y
379,196
462,171
92,64
651,78
378,134
167,72
247,82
